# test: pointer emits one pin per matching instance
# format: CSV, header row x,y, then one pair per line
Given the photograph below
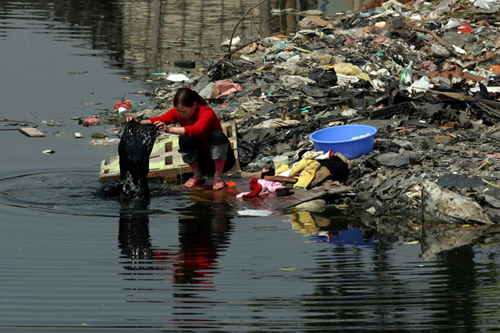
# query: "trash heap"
x,y
424,74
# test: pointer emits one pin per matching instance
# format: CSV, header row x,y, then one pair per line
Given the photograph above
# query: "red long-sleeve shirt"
x,y
201,125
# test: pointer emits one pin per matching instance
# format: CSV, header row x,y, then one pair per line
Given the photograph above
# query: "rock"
x,y
312,206
314,22
449,206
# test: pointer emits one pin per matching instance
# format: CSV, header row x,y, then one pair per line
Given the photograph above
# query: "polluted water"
x,y
184,260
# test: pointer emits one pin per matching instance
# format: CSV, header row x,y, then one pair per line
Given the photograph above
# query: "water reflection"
x,y
337,229
360,283
54,236
284,17
134,238
444,237
201,239
204,230
144,37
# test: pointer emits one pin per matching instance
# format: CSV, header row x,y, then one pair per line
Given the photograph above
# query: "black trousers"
x,y
192,150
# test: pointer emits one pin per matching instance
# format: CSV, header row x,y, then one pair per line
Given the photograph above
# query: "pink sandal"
x,y
192,182
218,184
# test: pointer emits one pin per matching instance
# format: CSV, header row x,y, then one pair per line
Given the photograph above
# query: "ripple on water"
x,y
72,193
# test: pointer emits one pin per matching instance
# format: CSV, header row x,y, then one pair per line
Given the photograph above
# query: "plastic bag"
x,y
423,82
125,106
350,70
90,121
407,74
324,78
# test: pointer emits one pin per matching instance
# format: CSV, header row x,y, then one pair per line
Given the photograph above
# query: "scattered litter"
x,y
105,142
91,121
178,78
254,212
78,72
59,134
125,106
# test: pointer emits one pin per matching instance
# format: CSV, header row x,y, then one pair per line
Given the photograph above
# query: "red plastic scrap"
x,y
125,104
380,39
223,105
91,121
494,68
465,28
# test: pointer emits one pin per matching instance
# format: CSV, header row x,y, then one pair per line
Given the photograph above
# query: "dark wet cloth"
x,y
339,169
134,150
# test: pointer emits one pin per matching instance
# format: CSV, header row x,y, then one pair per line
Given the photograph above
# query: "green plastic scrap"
x,y
424,36
280,46
305,109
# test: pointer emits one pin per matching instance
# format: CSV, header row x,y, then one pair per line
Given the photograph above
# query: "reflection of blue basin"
x,y
348,237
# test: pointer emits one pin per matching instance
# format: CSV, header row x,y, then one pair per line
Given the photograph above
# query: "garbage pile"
x,y
424,74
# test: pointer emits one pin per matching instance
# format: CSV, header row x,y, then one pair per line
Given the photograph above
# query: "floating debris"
x,y
78,72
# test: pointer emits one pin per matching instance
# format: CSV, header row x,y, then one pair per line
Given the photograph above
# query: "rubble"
x,y
421,73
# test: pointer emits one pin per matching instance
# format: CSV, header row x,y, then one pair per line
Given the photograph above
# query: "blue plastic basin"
x,y
340,140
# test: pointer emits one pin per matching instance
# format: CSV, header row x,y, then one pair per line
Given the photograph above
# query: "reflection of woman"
x,y
201,239
203,145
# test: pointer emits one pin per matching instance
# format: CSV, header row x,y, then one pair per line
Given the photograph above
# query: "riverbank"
x,y
417,74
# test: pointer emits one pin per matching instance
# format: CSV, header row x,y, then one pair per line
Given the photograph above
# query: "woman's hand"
x,y
161,126
131,119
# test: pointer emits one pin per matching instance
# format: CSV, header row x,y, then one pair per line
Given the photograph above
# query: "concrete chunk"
x,y
31,132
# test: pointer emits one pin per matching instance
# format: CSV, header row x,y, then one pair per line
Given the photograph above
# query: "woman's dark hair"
x,y
188,97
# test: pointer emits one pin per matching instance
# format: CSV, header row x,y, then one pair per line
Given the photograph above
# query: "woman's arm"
x,y
174,130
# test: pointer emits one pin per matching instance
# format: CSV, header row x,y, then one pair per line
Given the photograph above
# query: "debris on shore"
x,y
424,74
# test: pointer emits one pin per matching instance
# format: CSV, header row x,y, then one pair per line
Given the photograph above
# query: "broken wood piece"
x,y
439,40
442,138
456,72
462,97
31,132
281,179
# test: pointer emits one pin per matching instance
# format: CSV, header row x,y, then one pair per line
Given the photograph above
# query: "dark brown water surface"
x,y
71,262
